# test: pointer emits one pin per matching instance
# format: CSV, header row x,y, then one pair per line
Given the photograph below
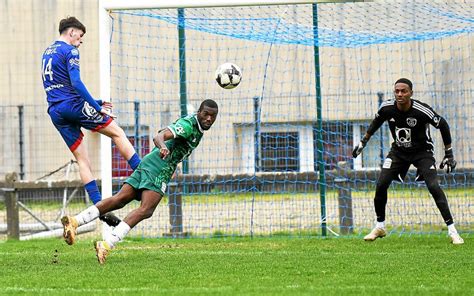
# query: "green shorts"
x,y
153,173
142,179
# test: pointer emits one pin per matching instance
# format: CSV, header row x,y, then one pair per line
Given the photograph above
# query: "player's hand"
x,y
164,152
107,105
358,149
108,112
448,161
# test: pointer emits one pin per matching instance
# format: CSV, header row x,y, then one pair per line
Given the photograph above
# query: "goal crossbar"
x,y
160,4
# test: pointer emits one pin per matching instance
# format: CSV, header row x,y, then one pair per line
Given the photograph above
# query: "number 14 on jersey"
x,y
47,69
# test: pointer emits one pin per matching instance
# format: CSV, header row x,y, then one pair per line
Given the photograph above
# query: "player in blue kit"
x,y
72,107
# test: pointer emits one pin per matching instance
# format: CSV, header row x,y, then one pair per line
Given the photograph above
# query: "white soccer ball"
x,y
228,75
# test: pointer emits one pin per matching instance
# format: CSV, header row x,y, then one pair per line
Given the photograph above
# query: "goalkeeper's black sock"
x,y
110,219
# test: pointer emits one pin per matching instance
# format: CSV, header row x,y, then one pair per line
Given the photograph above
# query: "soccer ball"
x,y
228,75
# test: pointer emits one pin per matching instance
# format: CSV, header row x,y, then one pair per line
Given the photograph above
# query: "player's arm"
x,y
181,128
160,139
443,126
72,59
76,82
448,160
373,127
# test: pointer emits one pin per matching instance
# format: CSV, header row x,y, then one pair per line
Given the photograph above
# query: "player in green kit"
x,y
149,181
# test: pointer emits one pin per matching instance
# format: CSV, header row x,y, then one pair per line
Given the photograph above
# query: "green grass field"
x,y
395,265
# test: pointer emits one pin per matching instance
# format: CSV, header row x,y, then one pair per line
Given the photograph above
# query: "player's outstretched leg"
x,y
375,233
69,229
102,249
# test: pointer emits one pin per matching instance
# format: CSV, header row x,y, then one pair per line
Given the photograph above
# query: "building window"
x,y
337,143
374,153
378,147
339,138
279,152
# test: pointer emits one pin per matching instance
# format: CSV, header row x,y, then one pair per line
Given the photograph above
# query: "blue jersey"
x,y
59,59
70,104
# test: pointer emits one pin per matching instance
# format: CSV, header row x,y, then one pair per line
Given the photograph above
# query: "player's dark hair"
x,y
209,103
71,22
406,81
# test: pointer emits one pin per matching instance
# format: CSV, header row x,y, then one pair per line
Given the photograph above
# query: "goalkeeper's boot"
x,y
102,249
456,239
69,229
375,233
110,219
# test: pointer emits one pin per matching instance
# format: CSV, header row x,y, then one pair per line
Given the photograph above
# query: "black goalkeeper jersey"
x,y
410,129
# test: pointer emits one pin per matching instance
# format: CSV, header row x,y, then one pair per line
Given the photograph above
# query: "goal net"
x,y
278,158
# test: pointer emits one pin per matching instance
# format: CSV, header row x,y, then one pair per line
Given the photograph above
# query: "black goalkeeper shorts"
x,y
396,165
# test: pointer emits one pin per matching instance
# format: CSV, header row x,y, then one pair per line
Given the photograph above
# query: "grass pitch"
x,y
427,265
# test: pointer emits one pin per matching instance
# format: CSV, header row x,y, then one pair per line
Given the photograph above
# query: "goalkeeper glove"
x,y
448,161
358,149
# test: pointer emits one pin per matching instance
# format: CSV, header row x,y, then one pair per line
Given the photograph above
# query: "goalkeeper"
x,y
409,121
149,181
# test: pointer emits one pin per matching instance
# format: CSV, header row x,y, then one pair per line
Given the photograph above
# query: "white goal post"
x,y
105,6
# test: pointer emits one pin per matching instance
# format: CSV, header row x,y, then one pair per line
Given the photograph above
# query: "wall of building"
x,y
145,70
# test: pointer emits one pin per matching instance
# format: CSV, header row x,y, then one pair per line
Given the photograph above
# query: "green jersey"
x,y
187,135
154,173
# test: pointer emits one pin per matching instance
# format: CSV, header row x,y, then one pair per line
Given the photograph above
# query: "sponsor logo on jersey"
x,y
91,113
411,121
179,129
75,52
54,86
403,137
74,62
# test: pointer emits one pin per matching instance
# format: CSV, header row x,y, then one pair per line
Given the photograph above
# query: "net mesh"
x,y
257,170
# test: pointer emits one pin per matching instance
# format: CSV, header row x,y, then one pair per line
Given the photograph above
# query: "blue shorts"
x,y
69,116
